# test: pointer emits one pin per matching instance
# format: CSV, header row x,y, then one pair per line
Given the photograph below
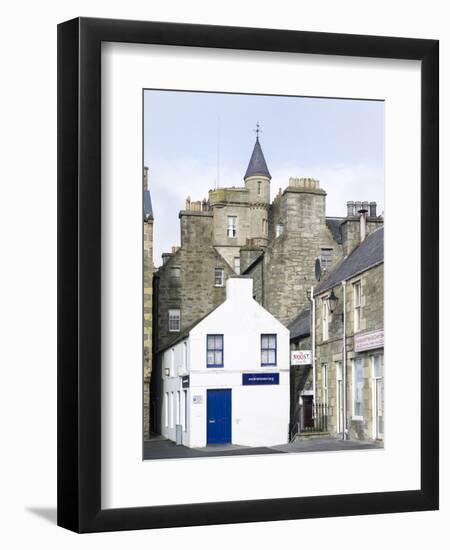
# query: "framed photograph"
x,y
247,275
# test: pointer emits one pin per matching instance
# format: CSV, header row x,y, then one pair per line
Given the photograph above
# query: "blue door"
x,y
218,416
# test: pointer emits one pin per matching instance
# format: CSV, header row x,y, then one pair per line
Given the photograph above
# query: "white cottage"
x,y
227,379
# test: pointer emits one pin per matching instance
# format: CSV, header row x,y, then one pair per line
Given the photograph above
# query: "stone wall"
x,y
289,260
330,351
192,290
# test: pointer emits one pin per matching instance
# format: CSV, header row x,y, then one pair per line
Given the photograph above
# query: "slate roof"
x,y
369,254
257,165
334,225
300,326
148,209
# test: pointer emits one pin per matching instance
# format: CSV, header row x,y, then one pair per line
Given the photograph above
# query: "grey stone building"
x,y
148,301
349,332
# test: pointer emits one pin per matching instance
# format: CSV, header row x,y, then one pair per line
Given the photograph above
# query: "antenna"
x,y
218,152
258,130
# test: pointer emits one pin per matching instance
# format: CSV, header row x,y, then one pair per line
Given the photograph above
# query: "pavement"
x,y
161,448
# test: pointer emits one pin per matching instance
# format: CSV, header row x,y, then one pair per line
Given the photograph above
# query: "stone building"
x,y
148,301
349,332
238,231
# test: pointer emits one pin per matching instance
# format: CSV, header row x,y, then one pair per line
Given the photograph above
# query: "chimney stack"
x,y
350,209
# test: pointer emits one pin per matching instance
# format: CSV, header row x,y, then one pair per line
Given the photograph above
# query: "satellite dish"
x,y
318,270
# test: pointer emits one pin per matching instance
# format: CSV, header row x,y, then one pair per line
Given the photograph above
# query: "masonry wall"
x,y
193,291
329,352
289,261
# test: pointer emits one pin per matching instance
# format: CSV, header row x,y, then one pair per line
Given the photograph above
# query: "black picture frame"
x,y
79,274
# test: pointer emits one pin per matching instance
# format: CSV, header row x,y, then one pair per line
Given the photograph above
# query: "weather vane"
x,y
258,130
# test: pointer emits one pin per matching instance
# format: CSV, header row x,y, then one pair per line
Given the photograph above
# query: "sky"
x,y
338,141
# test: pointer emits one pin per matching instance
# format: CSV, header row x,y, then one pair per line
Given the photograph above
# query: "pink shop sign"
x,y
369,340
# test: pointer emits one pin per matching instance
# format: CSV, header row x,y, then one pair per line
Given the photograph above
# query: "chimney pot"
x,y
350,209
373,209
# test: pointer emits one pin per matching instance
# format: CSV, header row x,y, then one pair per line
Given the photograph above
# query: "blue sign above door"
x,y
260,379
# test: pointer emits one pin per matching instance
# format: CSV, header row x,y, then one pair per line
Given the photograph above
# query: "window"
x,y
325,318
166,409
279,229
358,386
178,413
357,310
268,349
259,188
171,411
326,257
218,276
174,320
231,227
185,414
214,350
175,271
376,360
325,384
264,227
237,265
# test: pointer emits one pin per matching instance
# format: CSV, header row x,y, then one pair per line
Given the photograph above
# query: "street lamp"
x,y
332,301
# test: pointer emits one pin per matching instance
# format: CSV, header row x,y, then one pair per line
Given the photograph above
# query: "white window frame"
x,y
357,306
339,398
232,227
376,377
174,316
358,360
325,319
237,265
166,409
222,276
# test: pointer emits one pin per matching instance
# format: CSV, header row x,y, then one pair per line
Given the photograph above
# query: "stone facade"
x,y
329,356
148,306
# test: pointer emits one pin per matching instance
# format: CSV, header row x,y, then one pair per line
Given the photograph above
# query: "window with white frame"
x,y
325,384
357,307
237,265
358,387
218,276
326,258
214,350
171,411
231,226
166,409
325,319
268,350
279,229
174,320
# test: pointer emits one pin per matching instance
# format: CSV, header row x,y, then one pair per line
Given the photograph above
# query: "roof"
x,y
257,165
334,225
368,254
300,326
148,209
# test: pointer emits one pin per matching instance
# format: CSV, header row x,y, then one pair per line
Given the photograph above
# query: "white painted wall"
x,y
259,414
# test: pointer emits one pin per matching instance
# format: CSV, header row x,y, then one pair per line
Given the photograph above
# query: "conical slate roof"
x,y
257,165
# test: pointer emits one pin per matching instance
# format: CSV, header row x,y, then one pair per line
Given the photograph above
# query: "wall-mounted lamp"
x,y
332,301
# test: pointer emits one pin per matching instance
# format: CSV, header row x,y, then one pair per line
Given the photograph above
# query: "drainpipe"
x,y
313,338
344,365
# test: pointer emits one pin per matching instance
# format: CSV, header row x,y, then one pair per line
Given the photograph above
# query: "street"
x,y
160,448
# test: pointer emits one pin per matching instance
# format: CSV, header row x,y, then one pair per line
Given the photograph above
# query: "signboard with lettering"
x,y
185,381
369,340
260,379
301,357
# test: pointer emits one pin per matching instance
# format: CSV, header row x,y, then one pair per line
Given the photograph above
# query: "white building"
x,y
226,380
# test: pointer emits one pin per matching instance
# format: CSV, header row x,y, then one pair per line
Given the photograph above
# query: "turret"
x,y
257,177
